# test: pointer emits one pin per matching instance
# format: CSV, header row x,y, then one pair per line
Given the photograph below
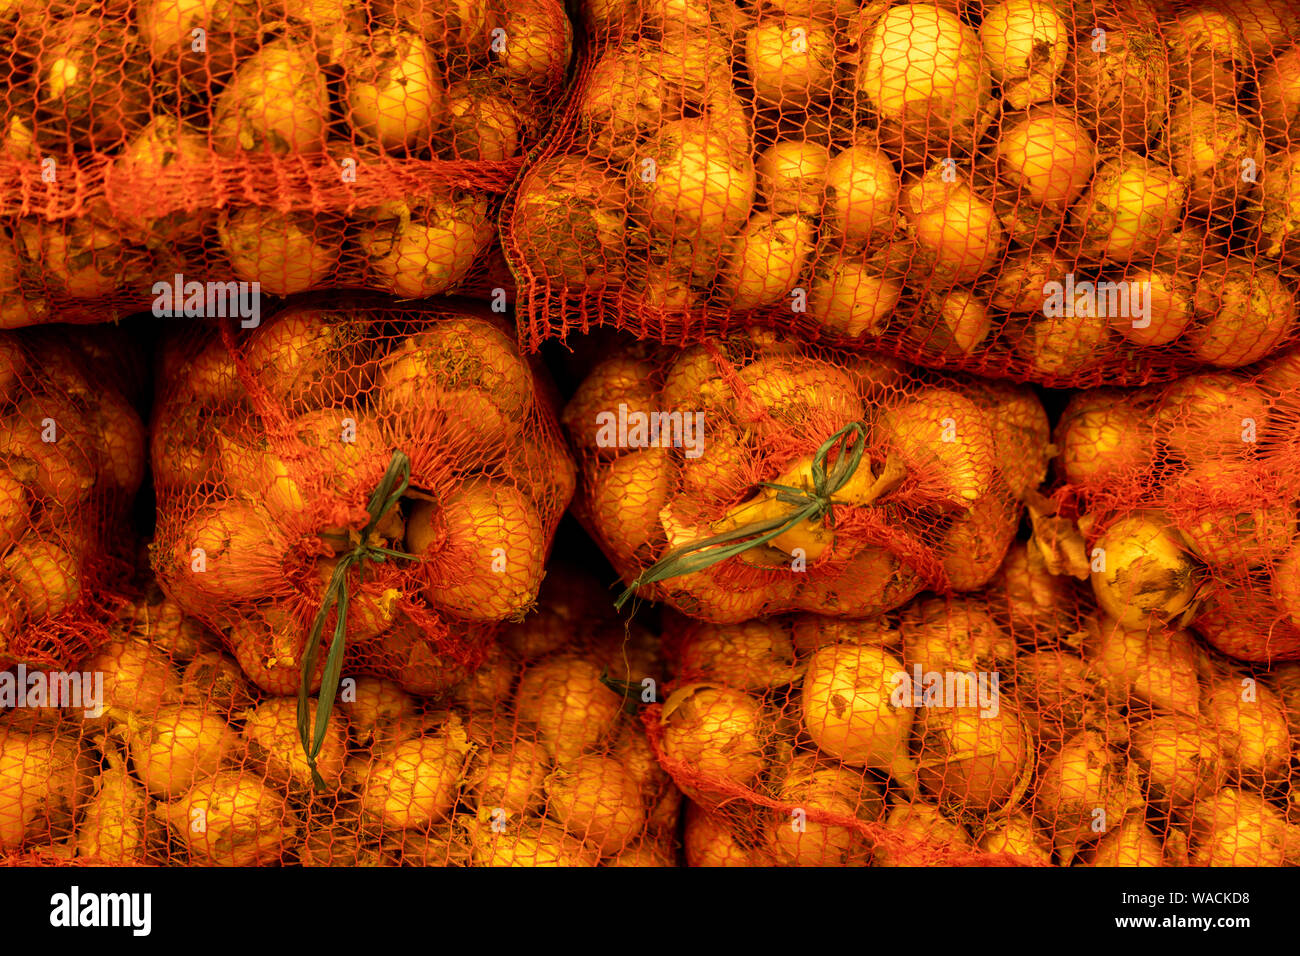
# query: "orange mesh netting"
x,y
72,457
1061,192
300,145
532,761
686,455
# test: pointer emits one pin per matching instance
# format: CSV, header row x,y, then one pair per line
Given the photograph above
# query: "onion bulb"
x,y
394,90
1159,667
1252,730
378,711
1131,844
137,675
790,61
43,577
112,826
1085,777
819,789
943,635
1180,757
850,708
45,778
565,699
431,251
851,297
178,745
1143,572
1279,99
1047,154
416,781
763,263
1102,437
530,844
973,760
569,223
1018,837
1122,89
233,819
710,841
271,734
922,69
1226,518
916,834
228,551
597,800
278,101
791,175
1131,205
719,733
861,194
1244,309
945,443
687,182
1217,153
1026,43
1211,416
1206,49
510,775
1240,828
957,233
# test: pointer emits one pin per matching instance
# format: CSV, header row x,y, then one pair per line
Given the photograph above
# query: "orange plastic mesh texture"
x,y
1098,745
301,145
269,446
677,448
531,761
910,177
72,449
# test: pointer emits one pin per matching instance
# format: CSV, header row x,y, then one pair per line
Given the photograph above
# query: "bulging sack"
x,y
298,146
748,476
1063,192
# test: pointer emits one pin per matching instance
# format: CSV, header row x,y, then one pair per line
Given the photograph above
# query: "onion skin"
x,y
1026,43
697,188
243,822
956,230
945,443
277,101
569,223
138,677
764,262
1240,828
1279,99
1209,147
112,829
1211,416
284,253
861,194
44,779
394,90
825,789
1148,574
563,697
177,746
970,761
1244,310
511,776
953,634
1017,837
751,656
710,842
1159,667
1131,204
271,733
1247,626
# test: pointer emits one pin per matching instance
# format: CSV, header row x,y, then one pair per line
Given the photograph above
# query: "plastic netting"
x,y
1069,193
72,456
987,730
300,146
532,761
748,476
396,465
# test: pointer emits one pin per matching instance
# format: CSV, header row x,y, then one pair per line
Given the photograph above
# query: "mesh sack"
x,y
1186,498
190,763
700,476
385,478
73,454
1011,727
299,146
1065,193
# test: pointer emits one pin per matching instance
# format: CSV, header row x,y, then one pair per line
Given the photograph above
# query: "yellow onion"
x,y
538,44
1132,203
1216,152
1180,756
91,88
1240,828
972,759
178,745
710,841
954,322
1131,844
1122,92
1018,837
1227,520
922,68
1266,25
44,578
791,176
957,233
1279,99
1142,571
285,253
415,781
857,706
378,711
1210,416
790,61
138,676
976,542
1252,730
917,834
750,656
430,251
45,778
946,444
1206,49
688,183
872,581
394,88
1169,296
627,497
1026,43
271,734
1085,777
241,555
719,733
269,650
231,34
849,296
159,155
489,542
822,789
529,844
232,819
569,222
565,699
485,124
598,801
764,261
953,634
510,775
1159,667
1244,310
1102,437
861,194
213,680
277,101
112,827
